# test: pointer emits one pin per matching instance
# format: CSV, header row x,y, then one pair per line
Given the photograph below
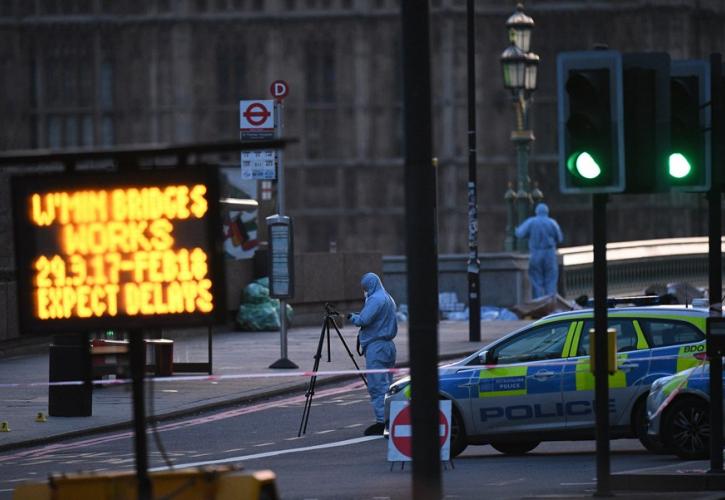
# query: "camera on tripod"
x,y
334,315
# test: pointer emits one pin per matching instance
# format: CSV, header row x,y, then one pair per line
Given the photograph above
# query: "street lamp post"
x,y
474,265
520,69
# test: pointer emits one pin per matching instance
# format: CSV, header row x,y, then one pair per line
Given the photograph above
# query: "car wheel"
x,y
639,422
515,448
686,429
459,441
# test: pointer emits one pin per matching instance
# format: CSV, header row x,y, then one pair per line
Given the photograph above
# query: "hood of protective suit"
x,y
370,283
542,209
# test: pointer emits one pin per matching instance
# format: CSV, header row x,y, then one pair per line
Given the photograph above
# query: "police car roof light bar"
x,y
636,300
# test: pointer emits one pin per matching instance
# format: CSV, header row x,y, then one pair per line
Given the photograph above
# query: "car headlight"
x,y
657,384
397,387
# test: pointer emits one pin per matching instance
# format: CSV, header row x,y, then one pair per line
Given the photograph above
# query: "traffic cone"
x,y
40,417
4,427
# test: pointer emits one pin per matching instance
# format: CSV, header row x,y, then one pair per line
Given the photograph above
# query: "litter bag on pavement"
x,y
258,311
258,317
255,293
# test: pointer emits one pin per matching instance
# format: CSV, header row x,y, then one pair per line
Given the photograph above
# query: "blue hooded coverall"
x,y
378,326
543,233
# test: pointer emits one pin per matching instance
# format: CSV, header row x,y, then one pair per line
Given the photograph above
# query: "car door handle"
x,y
544,374
625,367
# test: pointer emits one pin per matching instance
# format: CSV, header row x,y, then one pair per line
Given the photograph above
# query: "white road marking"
x,y
352,425
325,431
658,467
262,444
336,444
506,483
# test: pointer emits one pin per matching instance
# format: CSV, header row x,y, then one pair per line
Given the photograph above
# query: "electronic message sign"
x,y
117,250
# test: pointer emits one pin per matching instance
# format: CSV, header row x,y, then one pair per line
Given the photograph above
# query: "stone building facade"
x,y
101,72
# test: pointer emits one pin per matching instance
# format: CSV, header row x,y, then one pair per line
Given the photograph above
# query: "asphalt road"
x,y
333,460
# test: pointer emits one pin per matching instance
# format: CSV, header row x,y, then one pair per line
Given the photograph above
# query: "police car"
x,y
679,411
535,384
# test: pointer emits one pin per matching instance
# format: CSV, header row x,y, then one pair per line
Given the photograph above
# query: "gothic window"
x,y
230,69
320,96
71,96
230,62
320,71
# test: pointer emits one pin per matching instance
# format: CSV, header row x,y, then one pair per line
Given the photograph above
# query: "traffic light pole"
x,y
421,251
715,259
474,265
601,379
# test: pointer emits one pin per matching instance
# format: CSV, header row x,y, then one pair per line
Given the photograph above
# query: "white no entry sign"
x,y
256,119
400,444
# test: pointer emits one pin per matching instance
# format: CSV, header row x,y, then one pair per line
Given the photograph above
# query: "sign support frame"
x,y
137,361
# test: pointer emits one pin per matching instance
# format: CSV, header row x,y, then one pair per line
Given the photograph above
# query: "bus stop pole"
x,y
283,362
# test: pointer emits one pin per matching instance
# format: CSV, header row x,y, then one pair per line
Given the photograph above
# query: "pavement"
x,y
234,353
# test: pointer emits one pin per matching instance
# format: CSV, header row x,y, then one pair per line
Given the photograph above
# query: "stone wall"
x,y
333,278
503,278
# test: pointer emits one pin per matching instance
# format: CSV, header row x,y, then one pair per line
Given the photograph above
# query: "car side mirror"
x,y
486,358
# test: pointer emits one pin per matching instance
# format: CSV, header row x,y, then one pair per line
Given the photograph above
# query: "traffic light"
x,y
689,162
646,90
591,130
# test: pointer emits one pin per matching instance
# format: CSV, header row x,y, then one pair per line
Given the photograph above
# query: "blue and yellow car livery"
x,y
535,384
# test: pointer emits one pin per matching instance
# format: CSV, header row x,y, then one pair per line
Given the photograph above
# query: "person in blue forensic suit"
x,y
544,234
378,326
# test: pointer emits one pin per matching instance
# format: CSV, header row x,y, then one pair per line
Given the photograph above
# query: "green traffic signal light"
x,y
591,131
679,166
584,165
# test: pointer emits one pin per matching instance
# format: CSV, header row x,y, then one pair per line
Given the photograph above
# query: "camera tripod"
x,y
332,317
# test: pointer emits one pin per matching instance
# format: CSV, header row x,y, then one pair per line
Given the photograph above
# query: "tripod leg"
x,y
311,387
349,353
308,406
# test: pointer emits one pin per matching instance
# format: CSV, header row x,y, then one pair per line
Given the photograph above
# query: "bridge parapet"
x,y
633,266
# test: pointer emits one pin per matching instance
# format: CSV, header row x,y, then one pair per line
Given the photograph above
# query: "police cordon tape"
x,y
394,371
